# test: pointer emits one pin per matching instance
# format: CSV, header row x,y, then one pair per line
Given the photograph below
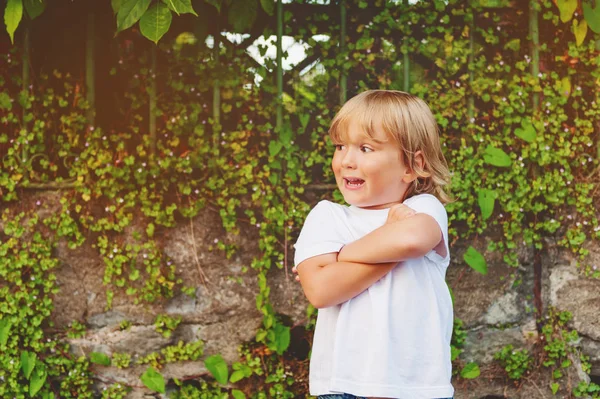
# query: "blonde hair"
x,y
408,121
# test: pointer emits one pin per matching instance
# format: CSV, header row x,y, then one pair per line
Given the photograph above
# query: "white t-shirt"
x,y
392,340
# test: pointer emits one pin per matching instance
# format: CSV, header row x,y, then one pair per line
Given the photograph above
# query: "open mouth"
x,y
353,183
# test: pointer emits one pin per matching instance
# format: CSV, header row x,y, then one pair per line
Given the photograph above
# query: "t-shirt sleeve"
x,y
319,234
430,205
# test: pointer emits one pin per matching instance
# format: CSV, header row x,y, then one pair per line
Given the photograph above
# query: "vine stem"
x,y
201,274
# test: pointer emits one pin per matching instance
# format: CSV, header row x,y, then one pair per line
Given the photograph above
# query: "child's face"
x,y
370,172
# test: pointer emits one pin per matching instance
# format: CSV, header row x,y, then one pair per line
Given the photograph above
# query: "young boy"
x,y
376,269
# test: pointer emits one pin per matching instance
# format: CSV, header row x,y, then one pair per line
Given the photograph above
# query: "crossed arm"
x,y
333,278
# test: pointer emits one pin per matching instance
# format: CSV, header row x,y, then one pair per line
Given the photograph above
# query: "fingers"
x,y
295,271
399,212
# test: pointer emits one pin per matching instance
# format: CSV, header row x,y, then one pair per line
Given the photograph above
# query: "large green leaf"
x,y
237,394
130,12
34,8
486,200
37,380
156,22
100,358
592,15
476,260
526,131
116,5
580,30
566,8
218,368
5,326
28,362
268,6
216,3
153,380
494,3
282,338
12,17
470,371
274,147
181,6
242,14
497,157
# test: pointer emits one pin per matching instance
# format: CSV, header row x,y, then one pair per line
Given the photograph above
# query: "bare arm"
x,y
327,283
396,241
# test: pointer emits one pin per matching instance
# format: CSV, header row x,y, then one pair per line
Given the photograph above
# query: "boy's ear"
x,y
419,162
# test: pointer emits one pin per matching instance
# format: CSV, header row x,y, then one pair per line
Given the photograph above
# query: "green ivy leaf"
x,y
497,157
216,4
554,387
592,15
12,17
304,119
526,132
28,362
470,371
242,14
454,352
218,368
236,376
580,30
5,326
282,338
476,260
156,22
130,12
37,380
100,358
5,101
150,230
567,8
274,147
494,3
565,86
181,6
116,5
268,6
237,394
153,380
486,201
34,8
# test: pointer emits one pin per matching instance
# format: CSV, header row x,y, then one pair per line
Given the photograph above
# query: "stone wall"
x,y
497,309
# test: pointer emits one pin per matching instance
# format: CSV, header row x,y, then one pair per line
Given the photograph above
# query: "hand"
x,y
399,212
295,271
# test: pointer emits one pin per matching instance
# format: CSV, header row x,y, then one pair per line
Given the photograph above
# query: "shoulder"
x,y
328,206
427,200
325,212
429,204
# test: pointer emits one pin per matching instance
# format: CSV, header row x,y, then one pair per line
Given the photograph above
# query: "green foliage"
x,y
476,260
153,380
121,360
218,368
470,371
165,324
515,362
525,174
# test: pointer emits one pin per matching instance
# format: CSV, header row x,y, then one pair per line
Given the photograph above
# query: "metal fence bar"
x,y
534,34
90,68
343,76
279,123
471,99
406,60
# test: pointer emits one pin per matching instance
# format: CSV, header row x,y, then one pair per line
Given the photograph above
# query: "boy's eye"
x,y
339,147
366,149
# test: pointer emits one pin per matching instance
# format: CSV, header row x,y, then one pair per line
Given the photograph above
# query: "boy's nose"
x,y
349,160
